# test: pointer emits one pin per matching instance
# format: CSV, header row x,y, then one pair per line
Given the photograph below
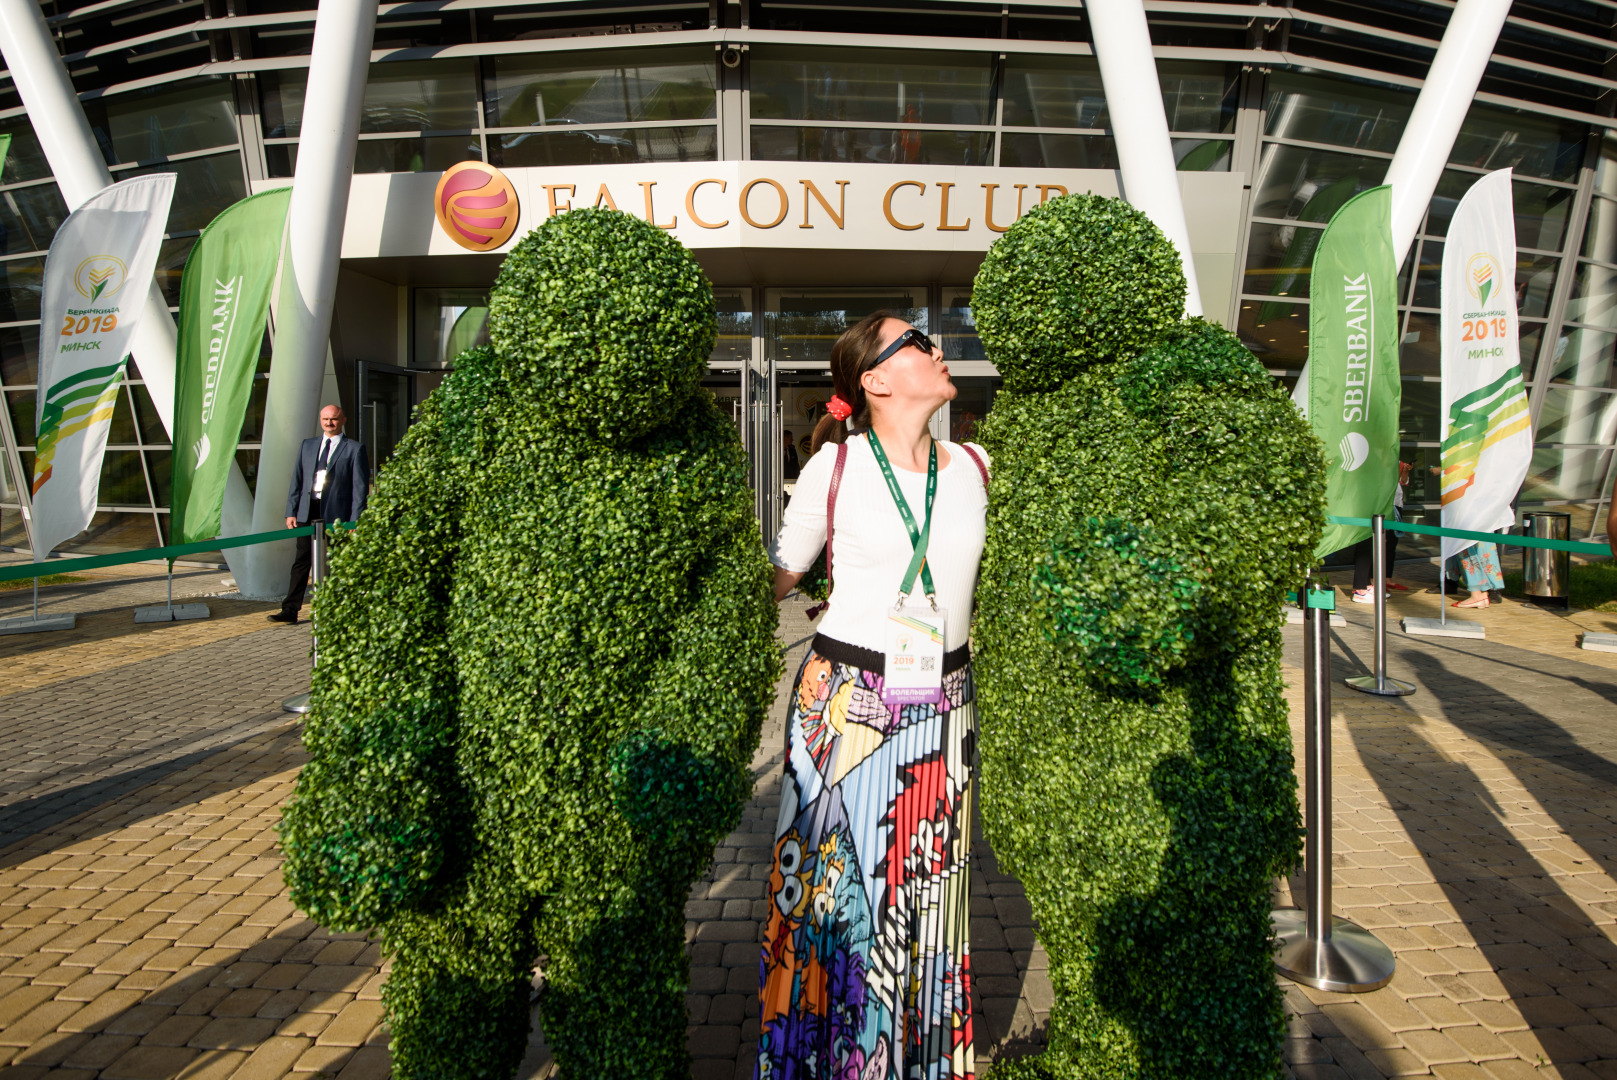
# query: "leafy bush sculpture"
x,y
545,657
1154,496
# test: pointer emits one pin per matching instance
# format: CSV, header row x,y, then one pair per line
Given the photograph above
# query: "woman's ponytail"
x,y
852,355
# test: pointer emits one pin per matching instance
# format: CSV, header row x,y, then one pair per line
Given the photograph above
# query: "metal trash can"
x,y
1546,574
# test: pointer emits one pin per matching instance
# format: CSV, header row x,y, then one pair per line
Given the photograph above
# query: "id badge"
x,y
914,671
319,481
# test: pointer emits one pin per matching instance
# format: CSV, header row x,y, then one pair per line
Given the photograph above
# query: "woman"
x,y
1478,566
865,969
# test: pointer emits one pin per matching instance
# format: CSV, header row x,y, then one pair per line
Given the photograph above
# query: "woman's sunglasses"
x,y
911,336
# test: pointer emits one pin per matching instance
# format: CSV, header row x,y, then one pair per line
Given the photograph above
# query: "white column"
x,y
1150,177
343,32
1450,86
80,171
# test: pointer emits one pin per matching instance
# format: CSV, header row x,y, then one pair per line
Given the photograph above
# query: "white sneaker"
x,y
1364,596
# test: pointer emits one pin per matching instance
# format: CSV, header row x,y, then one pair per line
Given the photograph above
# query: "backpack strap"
x,y
830,524
977,460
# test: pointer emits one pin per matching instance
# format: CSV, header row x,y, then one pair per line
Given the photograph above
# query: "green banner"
x,y
224,302
1353,389
5,149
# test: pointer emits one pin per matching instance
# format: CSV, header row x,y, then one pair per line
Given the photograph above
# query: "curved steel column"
x,y
343,31
1128,73
80,171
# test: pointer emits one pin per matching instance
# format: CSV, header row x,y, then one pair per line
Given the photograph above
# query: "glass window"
x,y
1419,410
906,146
1565,474
21,405
1341,112
171,258
121,432
203,187
421,154
146,413
1041,92
1310,185
196,115
1420,350
734,341
1280,258
25,160
1600,234
110,531
160,465
872,85
19,355
123,482
29,218
1275,331
1577,416
1594,296
800,326
1202,155
1541,212
599,146
1583,357
613,88
433,95
1493,138
1026,150
958,332
447,323
21,281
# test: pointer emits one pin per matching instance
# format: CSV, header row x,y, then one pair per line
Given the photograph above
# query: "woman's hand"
x,y
785,582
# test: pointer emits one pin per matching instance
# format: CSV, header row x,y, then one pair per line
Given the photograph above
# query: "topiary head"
x,y
604,322
1079,280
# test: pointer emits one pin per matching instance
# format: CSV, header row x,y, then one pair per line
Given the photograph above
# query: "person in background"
x,y
330,483
1478,567
1363,565
789,467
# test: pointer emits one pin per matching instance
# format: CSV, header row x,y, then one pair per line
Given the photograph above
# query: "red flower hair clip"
x,y
838,408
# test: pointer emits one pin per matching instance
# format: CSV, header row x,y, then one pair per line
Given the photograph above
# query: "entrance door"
x,y
386,398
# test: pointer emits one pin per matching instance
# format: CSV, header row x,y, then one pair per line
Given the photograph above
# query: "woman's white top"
x,y
872,547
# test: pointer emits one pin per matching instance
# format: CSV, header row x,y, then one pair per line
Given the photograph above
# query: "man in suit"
x,y
330,483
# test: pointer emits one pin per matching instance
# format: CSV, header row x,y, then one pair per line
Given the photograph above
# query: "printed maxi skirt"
x,y
865,968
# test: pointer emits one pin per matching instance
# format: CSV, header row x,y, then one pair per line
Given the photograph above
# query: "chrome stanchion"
x,y
300,703
1316,948
1379,683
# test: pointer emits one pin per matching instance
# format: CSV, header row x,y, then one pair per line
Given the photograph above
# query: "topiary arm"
x,y
370,824
684,775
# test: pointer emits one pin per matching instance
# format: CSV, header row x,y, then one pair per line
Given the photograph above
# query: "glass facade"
x,y
591,83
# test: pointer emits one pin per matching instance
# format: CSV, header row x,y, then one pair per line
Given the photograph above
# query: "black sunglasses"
x,y
911,336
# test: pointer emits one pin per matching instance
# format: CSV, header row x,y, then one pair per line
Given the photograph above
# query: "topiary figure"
x,y
1154,496
545,657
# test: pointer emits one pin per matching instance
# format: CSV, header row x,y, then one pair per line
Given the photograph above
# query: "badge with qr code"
x,y
914,669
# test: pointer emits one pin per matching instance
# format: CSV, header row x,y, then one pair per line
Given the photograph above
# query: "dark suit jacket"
x,y
348,481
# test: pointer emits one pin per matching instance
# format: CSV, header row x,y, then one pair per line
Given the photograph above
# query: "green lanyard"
x,y
918,537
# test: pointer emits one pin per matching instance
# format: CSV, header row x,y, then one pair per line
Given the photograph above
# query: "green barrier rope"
x,y
1490,538
24,571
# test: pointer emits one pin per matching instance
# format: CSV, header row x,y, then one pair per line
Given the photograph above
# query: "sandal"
x,y
1479,602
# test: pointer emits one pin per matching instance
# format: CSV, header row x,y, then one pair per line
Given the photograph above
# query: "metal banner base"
x,y
1443,628
28,624
1369,684
297,703
1349,961
171,613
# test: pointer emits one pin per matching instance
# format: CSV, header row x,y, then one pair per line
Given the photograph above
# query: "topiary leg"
x,y
614,998
459,995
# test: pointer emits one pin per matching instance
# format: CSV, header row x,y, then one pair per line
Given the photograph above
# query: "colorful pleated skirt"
x,y
865,970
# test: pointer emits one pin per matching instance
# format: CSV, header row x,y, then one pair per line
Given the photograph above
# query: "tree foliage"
x,y
1154,496
545,657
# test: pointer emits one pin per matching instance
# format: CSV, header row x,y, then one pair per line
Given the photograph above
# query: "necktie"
x,y
325,454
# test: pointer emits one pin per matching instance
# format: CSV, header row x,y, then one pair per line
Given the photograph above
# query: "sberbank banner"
x,y
1353,391
1487,432
98,275
224,302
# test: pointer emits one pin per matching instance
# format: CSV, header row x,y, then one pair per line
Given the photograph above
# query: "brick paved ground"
x,y
144,931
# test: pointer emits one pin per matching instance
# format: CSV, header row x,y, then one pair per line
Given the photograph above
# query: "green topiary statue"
x,y
1154,496
545,657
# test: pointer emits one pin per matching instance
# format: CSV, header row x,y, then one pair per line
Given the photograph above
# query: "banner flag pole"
x,y
1379,683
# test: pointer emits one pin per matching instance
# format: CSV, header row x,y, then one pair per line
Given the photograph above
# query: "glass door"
x,y
386,398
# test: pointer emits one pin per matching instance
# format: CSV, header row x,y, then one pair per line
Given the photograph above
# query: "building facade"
x,y
824,160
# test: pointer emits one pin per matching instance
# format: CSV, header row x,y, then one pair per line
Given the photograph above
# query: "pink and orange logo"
x,y
476,205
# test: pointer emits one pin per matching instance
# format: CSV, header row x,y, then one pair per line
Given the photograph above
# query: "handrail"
x,y
24,571
1577,547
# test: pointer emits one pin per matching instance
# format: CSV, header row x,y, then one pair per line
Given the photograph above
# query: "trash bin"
x,y
1546,574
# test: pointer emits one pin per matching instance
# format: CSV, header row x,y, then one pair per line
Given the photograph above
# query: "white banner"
x,y
1487,436
97,275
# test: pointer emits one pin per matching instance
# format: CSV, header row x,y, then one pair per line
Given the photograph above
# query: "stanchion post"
x,y
300,703
1379,683
1315,947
